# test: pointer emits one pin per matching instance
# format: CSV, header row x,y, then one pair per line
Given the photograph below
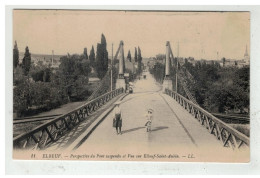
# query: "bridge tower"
x,y
120,82
167,82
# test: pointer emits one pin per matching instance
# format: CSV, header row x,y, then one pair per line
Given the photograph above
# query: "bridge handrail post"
x,y
231,137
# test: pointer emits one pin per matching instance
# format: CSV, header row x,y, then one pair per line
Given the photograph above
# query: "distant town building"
x,y
151,62
229,63
182,60
236,62
242,63
43,59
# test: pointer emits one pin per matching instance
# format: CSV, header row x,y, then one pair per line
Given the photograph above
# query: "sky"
x,y
200,34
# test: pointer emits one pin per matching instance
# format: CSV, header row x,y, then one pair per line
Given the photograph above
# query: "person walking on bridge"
x,y
117,121
149,117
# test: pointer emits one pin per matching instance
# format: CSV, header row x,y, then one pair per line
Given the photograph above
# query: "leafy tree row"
x,y
40,87
215,88
158,71
220,89
39,91
26,62
137,59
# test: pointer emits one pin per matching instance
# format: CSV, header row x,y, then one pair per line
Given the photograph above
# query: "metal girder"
x,y
182,78
117,52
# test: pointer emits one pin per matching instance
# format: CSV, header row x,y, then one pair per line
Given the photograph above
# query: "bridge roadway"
x,y
69,138
174,131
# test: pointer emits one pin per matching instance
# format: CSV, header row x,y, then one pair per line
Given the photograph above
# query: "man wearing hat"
x,y
149,118
117,121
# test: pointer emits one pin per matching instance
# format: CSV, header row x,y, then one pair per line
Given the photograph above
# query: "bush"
x,y
20,98
33,97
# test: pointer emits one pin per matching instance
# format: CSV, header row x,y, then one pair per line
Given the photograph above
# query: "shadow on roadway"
x,y
138,128
131,130
159,128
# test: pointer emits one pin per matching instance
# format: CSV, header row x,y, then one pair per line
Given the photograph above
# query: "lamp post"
x,y
112,69
177,69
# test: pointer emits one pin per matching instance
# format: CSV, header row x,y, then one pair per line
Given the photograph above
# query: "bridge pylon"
x,y
120,81
167,82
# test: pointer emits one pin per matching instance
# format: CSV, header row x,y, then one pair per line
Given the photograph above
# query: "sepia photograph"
x,y
132,85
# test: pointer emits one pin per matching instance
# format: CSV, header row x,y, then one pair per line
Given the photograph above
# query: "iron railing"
x,y
51,131
229,136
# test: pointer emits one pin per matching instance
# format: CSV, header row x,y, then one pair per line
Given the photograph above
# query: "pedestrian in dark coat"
x,y
117,121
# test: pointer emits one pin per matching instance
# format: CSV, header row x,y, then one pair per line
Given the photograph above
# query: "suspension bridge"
x,y
180,125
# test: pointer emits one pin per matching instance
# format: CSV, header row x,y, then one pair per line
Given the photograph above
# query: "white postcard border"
x,y
113,167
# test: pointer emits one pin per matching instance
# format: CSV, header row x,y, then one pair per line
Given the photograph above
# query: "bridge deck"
x,y
174,131
65,141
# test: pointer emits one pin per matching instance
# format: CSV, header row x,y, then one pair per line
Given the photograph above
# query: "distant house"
x,y
233,63
193,62
236,63
181,60
242,63
151,62
230,63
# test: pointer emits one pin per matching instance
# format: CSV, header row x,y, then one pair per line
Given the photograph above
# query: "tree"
x,y
18,75
26,61
185,61
85,53
15,55
219,89
224,61
105,53
70,75
99,65
158,71
135,55
129,56
92,57
139,60
160,57
40,73
101,58
50,89
21,96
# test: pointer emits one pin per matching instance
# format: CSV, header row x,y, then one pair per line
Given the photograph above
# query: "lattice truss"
x,y
47,133
229,136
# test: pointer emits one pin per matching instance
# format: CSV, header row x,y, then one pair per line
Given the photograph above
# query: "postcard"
x,y
150,86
